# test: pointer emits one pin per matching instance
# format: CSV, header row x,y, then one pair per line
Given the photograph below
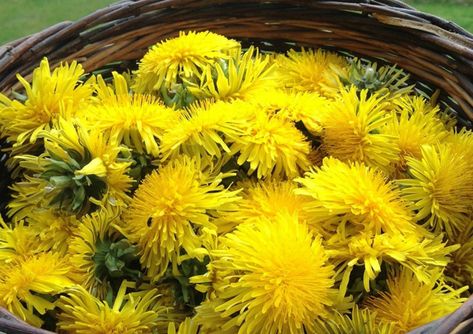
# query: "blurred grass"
x,y
23,17
458,11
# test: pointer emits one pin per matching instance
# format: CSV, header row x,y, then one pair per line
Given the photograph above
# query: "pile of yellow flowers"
x,y
222,189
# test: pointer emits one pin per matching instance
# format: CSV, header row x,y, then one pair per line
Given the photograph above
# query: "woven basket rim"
x,y
435,50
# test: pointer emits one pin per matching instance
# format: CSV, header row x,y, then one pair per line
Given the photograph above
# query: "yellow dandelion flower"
x,y
352,130
274,277
49,97
414,123
265,148
268,199
205,129
136,120
441,187
25,285
357,194
410,303
240,77
362,321
80,169
97,254
82,313
304,107
417,253
54,229
172,211
309,70
179,58
462,141
18,241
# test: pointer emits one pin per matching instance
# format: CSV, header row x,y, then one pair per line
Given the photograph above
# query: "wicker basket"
x,y
436,52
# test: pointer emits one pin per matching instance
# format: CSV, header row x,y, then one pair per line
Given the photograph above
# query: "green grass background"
x,y
23,17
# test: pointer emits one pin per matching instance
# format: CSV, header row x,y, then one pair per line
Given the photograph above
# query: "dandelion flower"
x,y
266,148
137,120
172,210
309,70
414,125
357,194
27,285
211,321
54,229
304,107
180,58
98,254
389,81
352,130
462,141
415,252
410,303
49,97
240,77
205,130
82,313
441,187
79,170
18,241
274,277
268,199
360,321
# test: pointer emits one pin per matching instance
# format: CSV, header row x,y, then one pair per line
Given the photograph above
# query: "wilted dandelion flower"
x,y
82,313
362,321
27,285
352,130
441,187
49,97
205,129
410,303
136,120
80,169
273,277
172,211
417,253
178,59
239,77
357,194
271,146
309,70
